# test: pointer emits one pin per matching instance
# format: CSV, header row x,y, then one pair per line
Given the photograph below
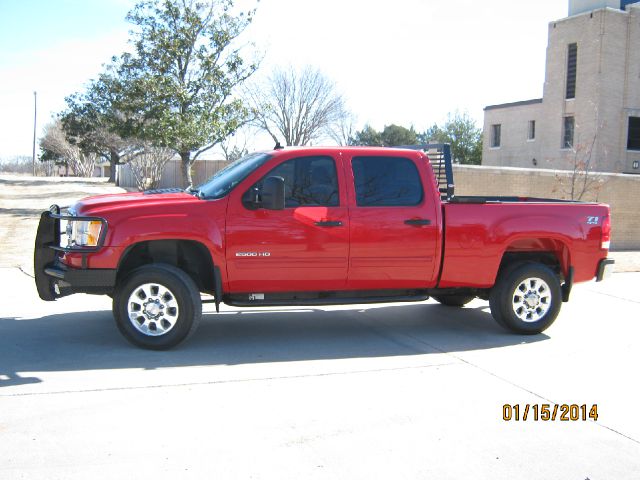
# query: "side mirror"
x,y
273,193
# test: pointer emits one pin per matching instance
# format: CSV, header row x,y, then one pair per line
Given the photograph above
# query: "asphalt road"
x,y
391,391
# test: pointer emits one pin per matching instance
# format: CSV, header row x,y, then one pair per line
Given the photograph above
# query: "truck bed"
x,y
480,230
492,199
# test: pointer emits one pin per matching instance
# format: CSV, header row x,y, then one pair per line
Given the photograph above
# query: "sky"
x,y
408,62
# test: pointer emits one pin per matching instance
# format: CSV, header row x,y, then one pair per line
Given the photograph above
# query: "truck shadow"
x,y
90,340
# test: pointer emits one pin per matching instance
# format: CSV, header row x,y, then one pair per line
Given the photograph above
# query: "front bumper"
x,y
605,269
53,278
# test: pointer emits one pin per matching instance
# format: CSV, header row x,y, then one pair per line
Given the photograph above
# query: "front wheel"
x,y
157,306
527,299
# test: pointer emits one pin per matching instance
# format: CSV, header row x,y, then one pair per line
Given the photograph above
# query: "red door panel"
x,y
392,246
300,248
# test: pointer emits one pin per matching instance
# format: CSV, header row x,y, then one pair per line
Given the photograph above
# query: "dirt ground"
x,y
23,198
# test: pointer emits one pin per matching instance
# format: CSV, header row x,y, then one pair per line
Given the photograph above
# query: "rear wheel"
x,y
526,299
157,306
453,300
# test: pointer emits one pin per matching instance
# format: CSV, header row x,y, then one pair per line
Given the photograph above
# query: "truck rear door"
x,y
394,221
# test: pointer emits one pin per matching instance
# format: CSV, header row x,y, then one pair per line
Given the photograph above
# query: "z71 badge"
x,y
593,220
253,254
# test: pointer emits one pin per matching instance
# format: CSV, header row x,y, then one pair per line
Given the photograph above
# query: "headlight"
x,y
83,233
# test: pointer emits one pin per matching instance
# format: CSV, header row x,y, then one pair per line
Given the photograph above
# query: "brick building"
x,y
590,109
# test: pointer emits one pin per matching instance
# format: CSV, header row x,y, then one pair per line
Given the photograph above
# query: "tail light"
x,y
606,233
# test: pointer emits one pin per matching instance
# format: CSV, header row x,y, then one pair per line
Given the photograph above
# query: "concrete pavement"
x,y
364,392
384,391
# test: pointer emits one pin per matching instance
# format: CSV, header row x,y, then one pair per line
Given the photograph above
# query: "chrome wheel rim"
x,y
531,300
152,309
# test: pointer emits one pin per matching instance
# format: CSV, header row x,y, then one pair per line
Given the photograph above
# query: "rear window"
x,y
386,182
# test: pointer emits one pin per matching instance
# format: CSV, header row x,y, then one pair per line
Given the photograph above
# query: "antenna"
x,y
278,146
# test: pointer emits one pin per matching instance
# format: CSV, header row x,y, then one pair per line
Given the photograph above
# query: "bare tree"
x,y
582,179
23,164
17,164
56,146
46,169
344,130
147,167
296,106
234,147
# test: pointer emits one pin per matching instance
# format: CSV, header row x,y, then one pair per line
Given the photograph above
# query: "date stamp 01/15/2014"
x,y
547,412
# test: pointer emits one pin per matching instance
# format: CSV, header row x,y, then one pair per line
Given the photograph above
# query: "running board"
x,y
333,298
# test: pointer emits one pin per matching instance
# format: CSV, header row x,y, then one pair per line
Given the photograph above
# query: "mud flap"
x,y
218,287
567,286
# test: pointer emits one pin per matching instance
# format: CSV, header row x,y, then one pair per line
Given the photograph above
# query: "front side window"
x,y
386,181
633,134
495,135
568,131
308,181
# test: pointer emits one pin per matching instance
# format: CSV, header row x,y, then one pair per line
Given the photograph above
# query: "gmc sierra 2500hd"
x,y
317,226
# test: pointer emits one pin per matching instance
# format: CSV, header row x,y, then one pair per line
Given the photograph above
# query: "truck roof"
x,y
336,148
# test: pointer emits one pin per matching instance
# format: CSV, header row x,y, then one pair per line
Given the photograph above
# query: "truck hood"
x,y
101,204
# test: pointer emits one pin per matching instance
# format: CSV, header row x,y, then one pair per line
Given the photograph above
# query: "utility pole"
x,y
35,117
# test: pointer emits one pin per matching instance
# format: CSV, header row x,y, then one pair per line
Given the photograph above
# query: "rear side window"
x,y
386,182
308,181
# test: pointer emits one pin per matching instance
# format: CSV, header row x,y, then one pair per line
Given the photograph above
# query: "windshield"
x,y
226,179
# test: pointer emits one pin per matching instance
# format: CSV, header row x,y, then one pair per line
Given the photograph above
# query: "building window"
x,y
567,132
531,131
633,134
572,70
495,135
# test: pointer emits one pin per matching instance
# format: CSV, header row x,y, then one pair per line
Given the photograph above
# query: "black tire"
x,y
526,299
169,305
453,300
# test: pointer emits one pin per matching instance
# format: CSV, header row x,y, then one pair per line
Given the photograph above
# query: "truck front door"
x,y
301,248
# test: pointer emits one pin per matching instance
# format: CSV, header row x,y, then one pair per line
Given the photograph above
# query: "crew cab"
x,y
318,226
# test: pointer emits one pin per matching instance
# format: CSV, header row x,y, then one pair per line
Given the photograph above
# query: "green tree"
x,y
433,134
391,136
395,135
368,136
94,123
176,89
462,133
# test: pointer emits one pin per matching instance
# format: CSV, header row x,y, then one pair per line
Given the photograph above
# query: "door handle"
x,y
329,223
418,221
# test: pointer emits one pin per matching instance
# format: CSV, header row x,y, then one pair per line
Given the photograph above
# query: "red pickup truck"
x,y
318,226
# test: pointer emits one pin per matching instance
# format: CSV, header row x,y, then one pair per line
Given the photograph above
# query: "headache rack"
x,y
440,157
